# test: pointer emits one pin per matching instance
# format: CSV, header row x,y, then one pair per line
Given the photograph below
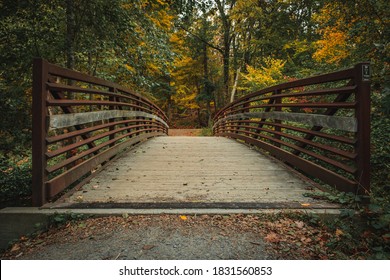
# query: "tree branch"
x,y
201,39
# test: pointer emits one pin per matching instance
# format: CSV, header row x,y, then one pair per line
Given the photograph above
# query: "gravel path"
x,y
171,237
156,243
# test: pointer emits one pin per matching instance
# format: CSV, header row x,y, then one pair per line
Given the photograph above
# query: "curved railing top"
x,y
318,125
81,122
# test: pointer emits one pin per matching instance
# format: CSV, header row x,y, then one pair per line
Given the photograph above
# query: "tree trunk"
x,y
70,34
235,84
226,24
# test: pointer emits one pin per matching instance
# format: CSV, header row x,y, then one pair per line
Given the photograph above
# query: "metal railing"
x,y
318,125
81,122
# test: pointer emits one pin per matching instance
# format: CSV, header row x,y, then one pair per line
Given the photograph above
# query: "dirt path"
x,y
184,132
177,237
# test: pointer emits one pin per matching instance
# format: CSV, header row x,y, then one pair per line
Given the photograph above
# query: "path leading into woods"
x,y
184,132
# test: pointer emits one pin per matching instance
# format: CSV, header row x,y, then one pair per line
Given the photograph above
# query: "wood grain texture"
x,y
182,170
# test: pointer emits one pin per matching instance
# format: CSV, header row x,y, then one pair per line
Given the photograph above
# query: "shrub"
x,y
15,178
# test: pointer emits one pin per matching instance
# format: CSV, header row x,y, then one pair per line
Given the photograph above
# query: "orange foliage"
x,y
333,47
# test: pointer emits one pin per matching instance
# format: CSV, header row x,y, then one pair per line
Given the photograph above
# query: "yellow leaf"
x,y
184,218
339,232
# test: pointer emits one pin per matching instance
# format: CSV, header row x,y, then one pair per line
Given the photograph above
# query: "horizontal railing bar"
x,y
92,150
341,90
313,169
333,150
57,184
62,87
88,140
343,105
344,167
337,138
65,136
78,76
66,103
81,77
331,77
66,120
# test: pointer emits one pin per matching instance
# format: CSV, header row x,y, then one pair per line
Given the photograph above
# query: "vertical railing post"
x,y
39,131
111,128
362,81
247,104
278,100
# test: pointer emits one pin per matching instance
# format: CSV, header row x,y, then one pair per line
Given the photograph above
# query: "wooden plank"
x,y
193,169
323,174
66,120
56,185
335,122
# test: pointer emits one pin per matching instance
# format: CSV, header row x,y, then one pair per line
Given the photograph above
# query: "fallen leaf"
x,y
300,224
272,237
148,247
339,232
184,218
23,238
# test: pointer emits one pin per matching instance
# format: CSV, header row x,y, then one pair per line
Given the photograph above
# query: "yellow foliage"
x,y
185,97
332,48
268,75
176,39
130,68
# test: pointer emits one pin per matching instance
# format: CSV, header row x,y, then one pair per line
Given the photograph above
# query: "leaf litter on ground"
x,y
285,236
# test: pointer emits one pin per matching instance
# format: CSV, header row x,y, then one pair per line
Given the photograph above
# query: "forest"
x,y
191,57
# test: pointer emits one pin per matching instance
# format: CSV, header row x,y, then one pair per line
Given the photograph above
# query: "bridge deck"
x,y
196,172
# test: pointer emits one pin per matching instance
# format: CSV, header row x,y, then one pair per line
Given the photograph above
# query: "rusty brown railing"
x,y
80,123
318,125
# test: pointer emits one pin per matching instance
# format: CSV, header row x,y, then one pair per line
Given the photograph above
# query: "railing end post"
x,y
39,130
363,115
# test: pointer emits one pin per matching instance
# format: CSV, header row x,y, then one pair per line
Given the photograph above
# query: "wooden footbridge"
x,y
98,144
